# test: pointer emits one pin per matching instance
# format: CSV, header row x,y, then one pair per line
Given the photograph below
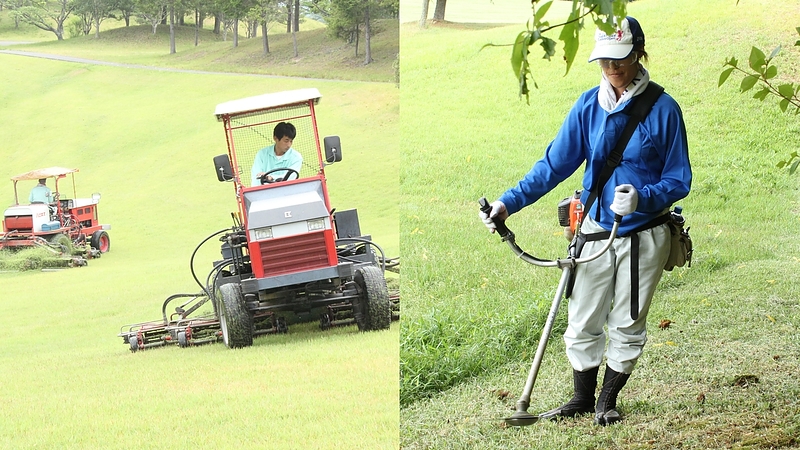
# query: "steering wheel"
x,y
289,172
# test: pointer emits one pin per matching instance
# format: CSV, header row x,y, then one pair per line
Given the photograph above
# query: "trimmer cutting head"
x,y
521,419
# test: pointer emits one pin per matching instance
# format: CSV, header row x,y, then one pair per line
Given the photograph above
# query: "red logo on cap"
x,y
619,35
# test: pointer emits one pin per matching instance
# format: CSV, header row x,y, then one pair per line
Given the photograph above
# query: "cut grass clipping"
x,y
35,258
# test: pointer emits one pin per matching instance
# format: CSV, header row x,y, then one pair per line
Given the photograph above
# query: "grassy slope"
x,y
145,140
319,55
473,312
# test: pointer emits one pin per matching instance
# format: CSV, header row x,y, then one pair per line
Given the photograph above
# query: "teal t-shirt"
x,y
266,160
40,194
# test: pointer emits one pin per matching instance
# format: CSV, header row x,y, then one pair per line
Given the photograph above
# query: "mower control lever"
x,y
500,225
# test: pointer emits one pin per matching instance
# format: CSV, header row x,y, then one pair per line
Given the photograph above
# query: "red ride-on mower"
x,y
62,223
289,257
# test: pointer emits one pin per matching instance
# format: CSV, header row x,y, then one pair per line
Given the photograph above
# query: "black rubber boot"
x,y
606,411
582,401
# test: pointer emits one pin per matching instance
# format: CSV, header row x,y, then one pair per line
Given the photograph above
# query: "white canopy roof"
x,y
267,101
44,173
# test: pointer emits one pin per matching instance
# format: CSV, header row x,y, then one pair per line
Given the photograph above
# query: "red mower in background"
x,y
63,223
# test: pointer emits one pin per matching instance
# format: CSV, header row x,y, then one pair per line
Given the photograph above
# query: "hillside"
x,y
319,55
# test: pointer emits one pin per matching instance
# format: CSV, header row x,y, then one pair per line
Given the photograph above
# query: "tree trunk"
x,y
367,48
423,20
196,27
97,27
265,40
172,50
217,22
294,43
288,17
235,33
357,36
438,13
296,15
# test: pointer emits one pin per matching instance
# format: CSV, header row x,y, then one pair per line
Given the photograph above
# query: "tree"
x,y
126,10
764,73
267,11
172,49
151,11
94,12
347,16
47,16
424,17
438,12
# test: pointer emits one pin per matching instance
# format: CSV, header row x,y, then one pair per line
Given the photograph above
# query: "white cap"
x,y
619,44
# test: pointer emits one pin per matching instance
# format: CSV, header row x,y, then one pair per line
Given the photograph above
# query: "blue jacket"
x,y
655,162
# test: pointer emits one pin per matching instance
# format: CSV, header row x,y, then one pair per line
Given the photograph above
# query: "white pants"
x,y
602,295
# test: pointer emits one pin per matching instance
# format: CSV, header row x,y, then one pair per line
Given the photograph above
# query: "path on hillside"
x,y
161,69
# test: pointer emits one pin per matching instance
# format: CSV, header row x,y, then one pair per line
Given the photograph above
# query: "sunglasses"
x,y
632,59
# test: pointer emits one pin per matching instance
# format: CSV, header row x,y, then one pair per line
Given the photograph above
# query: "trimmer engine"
x,y
570,214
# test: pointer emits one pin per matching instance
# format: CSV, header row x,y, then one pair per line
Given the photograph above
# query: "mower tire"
x,y
373,310
234,319
133,341
62,241
100,241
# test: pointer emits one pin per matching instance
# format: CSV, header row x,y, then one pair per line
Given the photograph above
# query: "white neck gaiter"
x,y
608,99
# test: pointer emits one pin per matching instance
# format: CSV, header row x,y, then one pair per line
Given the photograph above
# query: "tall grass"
x,y
145,140
473,313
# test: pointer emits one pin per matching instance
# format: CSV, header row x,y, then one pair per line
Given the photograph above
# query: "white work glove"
x,y
498,210
626,198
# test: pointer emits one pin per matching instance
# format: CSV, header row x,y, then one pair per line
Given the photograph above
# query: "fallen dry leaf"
x,y
664,324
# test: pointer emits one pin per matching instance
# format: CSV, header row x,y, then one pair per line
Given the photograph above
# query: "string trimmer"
x,y
521,416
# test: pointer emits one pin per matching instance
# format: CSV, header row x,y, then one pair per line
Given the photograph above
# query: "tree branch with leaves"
x,y
762,71
602,13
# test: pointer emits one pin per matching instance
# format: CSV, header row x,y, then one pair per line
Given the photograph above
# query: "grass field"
x,y
472,312
145,140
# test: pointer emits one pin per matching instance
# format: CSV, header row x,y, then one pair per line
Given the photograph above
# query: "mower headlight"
x,y
316,224
263,233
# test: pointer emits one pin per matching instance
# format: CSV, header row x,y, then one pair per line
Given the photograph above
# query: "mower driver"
x,y
277,156
616,289
41,193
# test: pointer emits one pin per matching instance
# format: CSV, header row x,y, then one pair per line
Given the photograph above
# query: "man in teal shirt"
x,y
41,193
277,156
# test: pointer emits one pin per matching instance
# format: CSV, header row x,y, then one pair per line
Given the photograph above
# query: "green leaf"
x,y
762,94
786,90
734,62
775,52
772,71
793,169
723,77
620,9
756,59
748,82
541,12
549,47
570,37
784,104
519,53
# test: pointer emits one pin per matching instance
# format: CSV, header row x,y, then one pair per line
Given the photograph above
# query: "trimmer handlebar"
x,y
500,225
508,236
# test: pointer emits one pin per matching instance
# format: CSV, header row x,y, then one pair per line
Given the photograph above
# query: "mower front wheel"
x,y
234,319
373,310
100,241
